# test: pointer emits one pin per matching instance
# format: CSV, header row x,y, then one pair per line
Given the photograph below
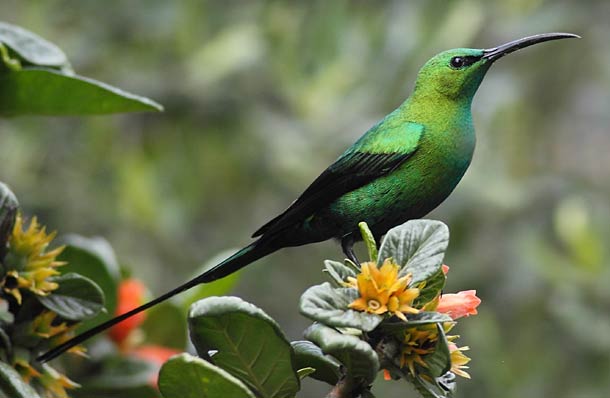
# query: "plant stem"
x,y
345,388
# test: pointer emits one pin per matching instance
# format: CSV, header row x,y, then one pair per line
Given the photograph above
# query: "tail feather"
x,y
232,264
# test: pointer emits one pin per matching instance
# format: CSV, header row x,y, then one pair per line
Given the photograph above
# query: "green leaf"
x,y
369,240
77,298
8,212
186,376
250,344
304,372
219,287
30,47
307,354
338,272
433,286
43,92
12,385
439,361
329,305
360,360
418,246
442,387
422,318
165,326
93,258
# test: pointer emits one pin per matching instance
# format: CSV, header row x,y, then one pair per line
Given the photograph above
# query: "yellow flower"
x,y
381,290
421,340
54,383
459,360
30,265
418,341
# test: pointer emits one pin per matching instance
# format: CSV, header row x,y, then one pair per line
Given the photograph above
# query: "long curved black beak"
x,y
493,54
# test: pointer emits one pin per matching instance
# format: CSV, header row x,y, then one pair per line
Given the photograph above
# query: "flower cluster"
x,y
28,264
383,291
28,268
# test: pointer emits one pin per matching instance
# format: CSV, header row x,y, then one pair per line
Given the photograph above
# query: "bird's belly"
x,y
409,192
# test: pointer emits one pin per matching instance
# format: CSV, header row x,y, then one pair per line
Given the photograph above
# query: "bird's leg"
x,y
347,244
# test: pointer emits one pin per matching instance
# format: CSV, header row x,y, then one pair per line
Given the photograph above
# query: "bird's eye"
x,y
457,62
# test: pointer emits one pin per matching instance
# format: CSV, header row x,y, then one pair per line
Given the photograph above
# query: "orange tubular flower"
x,y
131,295
463,303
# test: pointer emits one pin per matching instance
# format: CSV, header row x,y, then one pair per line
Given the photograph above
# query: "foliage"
x,y
39,305
37,78
242,348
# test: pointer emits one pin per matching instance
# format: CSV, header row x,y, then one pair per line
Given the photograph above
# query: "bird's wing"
x,y
376,154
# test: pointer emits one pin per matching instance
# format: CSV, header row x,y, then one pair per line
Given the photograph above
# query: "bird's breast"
x,y
414,189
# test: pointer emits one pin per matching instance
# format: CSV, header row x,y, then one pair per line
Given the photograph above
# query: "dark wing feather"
x,y
349,172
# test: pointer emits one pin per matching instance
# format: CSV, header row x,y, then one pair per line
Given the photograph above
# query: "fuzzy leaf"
x,y
418,246
329,305
307,354
30,47
186,376
359,359
43,91
12,385
250,344
77,298
338,272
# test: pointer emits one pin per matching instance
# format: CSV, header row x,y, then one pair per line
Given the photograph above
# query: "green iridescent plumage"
x,y
400,169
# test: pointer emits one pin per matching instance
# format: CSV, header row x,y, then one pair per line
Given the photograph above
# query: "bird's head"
x,y
456,74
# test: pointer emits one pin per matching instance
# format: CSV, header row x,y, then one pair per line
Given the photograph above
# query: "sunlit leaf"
x,y
418,246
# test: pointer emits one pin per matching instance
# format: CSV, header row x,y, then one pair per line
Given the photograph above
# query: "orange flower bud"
x,y
131,295
463,303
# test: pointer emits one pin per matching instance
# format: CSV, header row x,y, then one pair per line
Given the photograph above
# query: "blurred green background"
x,y
261,95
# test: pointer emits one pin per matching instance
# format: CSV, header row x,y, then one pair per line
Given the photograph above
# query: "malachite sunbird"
x,y
400,169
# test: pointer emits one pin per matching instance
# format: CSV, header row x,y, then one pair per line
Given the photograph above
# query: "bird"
x,y
400,169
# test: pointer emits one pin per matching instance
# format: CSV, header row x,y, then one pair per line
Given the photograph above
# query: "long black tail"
x,y
237,261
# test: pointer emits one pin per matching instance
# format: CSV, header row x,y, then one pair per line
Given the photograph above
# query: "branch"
x,y
346,388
